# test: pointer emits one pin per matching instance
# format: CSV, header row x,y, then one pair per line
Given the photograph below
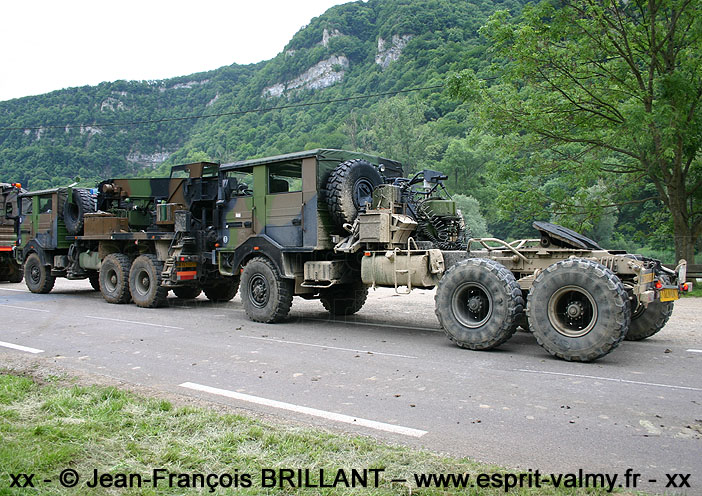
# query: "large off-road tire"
x,y
349,187
94,278
37,276
266,296
145,282
344,299
578,310
73,211
646,321
187,292
114,278
521,321
477,302
222,291
16,273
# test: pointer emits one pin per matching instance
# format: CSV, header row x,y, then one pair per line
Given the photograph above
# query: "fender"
x,y
32,247
258,245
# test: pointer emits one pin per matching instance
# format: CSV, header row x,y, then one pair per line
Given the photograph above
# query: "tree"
x,y
607,87
461,163
397,128
470,210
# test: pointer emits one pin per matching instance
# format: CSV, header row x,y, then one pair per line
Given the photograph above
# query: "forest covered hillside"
x,y
316,87
353,49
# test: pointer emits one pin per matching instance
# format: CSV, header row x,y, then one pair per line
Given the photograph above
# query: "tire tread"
x,y
158,297
513,292
337,301
617,291
284,290
336,190
123,263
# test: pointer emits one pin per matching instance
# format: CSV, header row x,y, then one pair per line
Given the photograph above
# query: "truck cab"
x,y
275,217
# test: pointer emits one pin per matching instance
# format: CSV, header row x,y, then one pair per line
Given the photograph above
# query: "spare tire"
x,y
73,211
349,188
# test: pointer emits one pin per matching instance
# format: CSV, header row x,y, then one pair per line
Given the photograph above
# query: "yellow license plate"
x,y
181,265
669,294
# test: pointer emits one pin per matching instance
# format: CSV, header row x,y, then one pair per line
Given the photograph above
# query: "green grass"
x,y
695,293
58,425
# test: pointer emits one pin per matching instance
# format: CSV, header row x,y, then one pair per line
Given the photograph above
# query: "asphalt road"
x,y
389,372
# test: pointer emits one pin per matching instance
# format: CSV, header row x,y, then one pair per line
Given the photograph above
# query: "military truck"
x,y
10,270
329,224
134,239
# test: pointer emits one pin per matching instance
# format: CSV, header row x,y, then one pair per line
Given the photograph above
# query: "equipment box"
x,y
104,223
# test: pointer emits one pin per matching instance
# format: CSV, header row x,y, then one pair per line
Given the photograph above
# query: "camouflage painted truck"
x,y
10,270
135,239
330,224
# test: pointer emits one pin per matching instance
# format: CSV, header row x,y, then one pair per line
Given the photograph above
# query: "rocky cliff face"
x,y
148,159
390,51
321,75
331,70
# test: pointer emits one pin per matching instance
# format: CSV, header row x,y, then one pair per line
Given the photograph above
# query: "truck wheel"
x,y
646,321
222,291
344,299
16,273
266,296
145,282
478,302
578,310
349,187
114,278
73,211
187,292
94,278
521,321
37,276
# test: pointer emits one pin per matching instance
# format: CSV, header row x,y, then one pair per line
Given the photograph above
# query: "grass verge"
x,y
695,293
46,428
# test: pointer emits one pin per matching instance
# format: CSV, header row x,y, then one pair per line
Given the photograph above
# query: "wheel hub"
x,y
363,192
259,291
143,282
574,309
471,305
475,304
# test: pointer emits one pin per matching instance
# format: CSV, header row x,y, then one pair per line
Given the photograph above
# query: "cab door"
x,y
44,219
239,221
284,203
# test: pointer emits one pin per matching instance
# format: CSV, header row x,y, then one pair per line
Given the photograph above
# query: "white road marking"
x,y
694,351
329,347
20,347
25,308
611,379
132,322
18,290
337,417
